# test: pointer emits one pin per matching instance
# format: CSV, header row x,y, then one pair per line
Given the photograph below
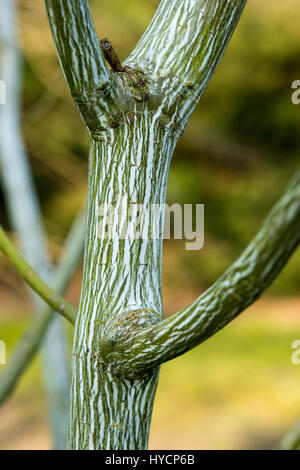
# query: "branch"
x,y
182,47
131,353
292,440
111,55
77,45
54,300
31,339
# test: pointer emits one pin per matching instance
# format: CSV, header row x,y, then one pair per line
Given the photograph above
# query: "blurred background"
x,y
240,389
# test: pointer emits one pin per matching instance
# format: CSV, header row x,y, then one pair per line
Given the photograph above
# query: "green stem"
x,y
292,440
181,49
54,300
31,339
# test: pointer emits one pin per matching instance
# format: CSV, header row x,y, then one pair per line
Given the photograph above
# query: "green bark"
x,y
121,283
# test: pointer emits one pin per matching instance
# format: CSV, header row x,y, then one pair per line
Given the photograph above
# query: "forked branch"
x,y
182,47
177,55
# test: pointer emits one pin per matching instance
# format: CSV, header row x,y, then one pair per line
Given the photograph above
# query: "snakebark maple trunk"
x,y
122,284
134,123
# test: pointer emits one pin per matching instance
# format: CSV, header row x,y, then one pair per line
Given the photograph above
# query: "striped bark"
x,y
135,118
122,285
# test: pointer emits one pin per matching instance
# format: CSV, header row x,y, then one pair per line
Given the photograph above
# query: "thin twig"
x,y
111,55
54,300
31,339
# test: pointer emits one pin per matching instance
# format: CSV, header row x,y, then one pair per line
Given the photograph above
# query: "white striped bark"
x,y
181,49
242,283
122,284
134,130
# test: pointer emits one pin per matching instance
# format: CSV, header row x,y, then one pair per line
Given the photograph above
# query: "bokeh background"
x,y
240,389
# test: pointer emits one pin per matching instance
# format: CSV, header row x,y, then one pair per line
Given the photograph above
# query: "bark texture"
x,y
26,220
121,286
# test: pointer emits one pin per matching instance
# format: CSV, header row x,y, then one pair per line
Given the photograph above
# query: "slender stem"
x,y
132,353
292,440
134,117
54,300
77,45
181,49
31,339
